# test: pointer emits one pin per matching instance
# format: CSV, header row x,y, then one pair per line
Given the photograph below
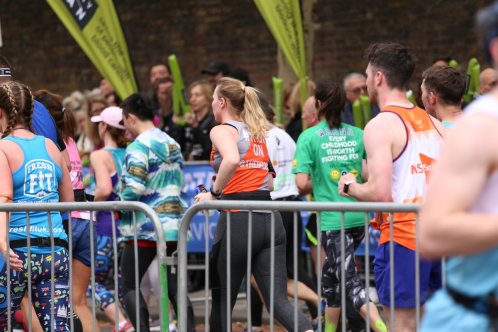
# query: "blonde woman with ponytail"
x,y
244,172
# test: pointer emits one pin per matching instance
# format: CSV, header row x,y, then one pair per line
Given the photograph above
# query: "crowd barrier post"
x,y
296,207
115,206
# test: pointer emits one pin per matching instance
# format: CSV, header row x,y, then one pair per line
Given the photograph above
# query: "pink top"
x,y
76,165
76,174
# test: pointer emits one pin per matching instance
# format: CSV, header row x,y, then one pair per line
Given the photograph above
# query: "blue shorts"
x,y
80,229
404,276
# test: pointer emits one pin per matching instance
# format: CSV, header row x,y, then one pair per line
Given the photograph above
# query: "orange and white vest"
x,y
411,171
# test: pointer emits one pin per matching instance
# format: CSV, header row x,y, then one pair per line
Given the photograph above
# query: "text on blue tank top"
x,y
35,181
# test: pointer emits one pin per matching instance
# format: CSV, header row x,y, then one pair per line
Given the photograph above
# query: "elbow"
x,y
232,161
303,190
383,196
430,239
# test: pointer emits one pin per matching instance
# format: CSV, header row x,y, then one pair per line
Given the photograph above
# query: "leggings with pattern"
x,y
41,291
104,271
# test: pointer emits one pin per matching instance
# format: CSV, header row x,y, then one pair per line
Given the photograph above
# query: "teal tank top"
x,y
36,181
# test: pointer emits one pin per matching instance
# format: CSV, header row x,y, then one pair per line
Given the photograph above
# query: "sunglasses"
x,y
359,89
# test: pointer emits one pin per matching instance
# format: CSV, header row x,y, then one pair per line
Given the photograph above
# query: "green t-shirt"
x,y
327,153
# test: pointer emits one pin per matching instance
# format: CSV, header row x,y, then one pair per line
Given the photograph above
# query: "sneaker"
x,y
127,327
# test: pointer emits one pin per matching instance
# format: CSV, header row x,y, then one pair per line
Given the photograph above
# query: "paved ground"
x,y
239,314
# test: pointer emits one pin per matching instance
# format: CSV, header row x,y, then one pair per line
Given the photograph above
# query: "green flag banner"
x,y
473,72
283,17
180,102
278,98
362,111
95,26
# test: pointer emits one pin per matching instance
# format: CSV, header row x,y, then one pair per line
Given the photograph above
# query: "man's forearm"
x,y
366,192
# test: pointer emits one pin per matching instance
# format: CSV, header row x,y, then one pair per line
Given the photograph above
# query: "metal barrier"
x,y
272,206
133,207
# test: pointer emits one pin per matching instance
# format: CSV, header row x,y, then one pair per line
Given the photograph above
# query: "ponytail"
x,y
332,99
245,101
63,116
253,116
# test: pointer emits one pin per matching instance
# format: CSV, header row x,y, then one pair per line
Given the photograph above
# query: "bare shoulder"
x,y
100,156
53,151
386,126
384,120
475,135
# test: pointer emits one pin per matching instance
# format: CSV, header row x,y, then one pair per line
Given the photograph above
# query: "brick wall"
x,y
44,55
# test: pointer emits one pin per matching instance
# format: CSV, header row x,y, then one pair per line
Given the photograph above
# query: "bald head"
x,y
487,80
310,112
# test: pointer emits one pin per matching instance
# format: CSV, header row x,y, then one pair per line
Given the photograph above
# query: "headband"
x,y
5,72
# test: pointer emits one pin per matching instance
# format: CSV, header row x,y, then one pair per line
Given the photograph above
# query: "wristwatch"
x,y
215,194
346,186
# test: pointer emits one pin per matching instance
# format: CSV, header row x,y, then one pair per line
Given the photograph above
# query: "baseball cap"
x,y
216,67
112,116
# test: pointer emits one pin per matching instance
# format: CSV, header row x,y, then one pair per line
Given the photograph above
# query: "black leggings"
x,y
261,267
147,255
302,275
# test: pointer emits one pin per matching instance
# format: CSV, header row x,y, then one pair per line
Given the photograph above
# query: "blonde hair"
x,y
245,101
206,88
91,129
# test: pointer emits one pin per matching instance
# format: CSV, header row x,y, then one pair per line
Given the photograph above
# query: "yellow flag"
x,y
283,17
95,26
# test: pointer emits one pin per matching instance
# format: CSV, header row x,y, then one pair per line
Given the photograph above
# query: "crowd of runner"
x,y
93,146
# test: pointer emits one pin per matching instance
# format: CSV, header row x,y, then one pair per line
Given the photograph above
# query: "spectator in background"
x,y
355,86
487,80
310,112
442,91
158,72
295,125
216,70
89,140
107,90
200,121
242,75
78,103
42,177
441,60
152,174
80,220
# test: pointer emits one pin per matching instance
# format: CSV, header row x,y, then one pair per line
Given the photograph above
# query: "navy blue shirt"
x,y
44,125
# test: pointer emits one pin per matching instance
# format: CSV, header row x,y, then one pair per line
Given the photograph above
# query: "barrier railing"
x,y
272,207
117,206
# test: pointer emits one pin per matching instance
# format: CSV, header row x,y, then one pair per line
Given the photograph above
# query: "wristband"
x,y
215,194
346,186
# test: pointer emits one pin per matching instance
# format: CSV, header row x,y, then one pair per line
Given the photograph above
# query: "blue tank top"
x,y
104,219
36,181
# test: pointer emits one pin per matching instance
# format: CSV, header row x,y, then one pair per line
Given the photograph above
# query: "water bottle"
x,y
200,189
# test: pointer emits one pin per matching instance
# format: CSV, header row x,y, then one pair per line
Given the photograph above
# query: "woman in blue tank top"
x,y
107,164
32,170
